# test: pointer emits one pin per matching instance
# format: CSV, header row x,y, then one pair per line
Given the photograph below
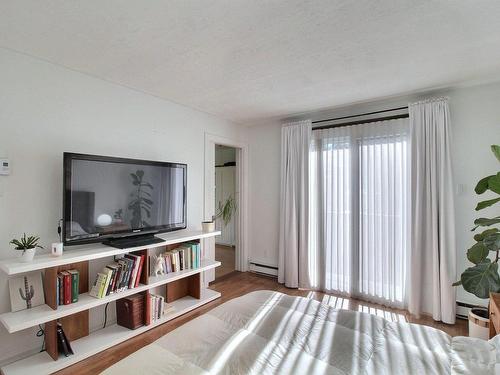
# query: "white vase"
x,y
479,326
208,226
28,255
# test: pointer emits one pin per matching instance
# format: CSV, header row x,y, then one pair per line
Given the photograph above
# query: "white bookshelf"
x,y
100,340
75,254
94,342
17,321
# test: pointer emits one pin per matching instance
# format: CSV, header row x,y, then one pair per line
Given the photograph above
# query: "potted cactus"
x,y
28,246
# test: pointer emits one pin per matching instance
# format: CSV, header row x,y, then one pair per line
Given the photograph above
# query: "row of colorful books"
x,y
186,256
158,307
123,274
67,287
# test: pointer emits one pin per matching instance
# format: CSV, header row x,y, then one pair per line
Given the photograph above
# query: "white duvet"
x,y
271,333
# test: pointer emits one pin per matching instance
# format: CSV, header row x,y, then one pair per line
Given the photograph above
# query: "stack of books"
x,y
67,287
158,307
123,274
187,256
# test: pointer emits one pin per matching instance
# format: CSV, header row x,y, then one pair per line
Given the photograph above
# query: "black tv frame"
x,y
69,156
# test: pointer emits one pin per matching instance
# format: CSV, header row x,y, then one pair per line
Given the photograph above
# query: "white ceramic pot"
x,y
479,323
208,226
28,255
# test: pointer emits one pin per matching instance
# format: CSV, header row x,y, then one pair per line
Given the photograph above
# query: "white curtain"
x,y
293,237
359,210
433,255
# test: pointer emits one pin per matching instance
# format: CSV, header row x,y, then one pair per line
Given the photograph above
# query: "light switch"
x,y
4,167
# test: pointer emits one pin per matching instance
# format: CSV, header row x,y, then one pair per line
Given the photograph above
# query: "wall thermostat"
x,y
4,167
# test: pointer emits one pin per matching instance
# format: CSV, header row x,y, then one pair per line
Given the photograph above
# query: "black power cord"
x,y
105,315
40,333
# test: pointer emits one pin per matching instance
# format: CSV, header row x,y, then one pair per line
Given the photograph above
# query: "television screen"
x,y
106,197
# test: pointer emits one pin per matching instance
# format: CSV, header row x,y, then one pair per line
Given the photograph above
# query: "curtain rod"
x,y
359,122
362,114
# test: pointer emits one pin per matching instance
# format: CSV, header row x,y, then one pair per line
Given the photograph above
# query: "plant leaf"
x,y
492,241
496,151
482,185
494,183
457,283
481,279
477,253
485,222
140,174
480,236
487,203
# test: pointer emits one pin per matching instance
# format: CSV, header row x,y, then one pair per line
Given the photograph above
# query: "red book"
x,y
147,309
139,272
67,287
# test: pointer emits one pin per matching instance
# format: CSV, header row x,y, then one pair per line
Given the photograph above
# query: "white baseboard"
x,y
265,268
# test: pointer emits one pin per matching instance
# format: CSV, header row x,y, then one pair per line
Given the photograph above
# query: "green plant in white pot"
x,y
483,278
225,210
28,246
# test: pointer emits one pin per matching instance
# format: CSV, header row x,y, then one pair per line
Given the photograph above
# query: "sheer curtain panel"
x,y
293,237
359,211
433,256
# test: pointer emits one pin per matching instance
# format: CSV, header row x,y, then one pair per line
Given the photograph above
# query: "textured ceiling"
x,y
247,60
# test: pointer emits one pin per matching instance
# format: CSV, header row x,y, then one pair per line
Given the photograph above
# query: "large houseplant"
x,y
483,277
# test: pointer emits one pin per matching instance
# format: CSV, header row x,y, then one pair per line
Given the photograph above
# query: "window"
x,y
359,211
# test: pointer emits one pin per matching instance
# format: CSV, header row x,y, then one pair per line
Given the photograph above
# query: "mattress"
x,y
267,332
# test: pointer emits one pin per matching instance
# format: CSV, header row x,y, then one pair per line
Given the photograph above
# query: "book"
x,y
63,343
135,268
60,280
108,272
139,272
66,287
94,291
75,279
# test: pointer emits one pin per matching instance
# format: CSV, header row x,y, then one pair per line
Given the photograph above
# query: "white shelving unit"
x,y
86,346
100,340
91,252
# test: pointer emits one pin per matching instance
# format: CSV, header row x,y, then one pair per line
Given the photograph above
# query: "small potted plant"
x,y
483,278
225,210
28,246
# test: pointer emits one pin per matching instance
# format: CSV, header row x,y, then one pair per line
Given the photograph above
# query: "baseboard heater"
x,y
265,269
463,310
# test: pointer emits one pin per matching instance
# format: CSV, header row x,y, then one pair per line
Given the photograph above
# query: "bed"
x,y
267,332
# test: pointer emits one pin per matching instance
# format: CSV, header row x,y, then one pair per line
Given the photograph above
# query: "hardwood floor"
x,y
233,285
226,255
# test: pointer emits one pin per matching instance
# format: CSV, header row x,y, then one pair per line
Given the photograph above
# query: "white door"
x,y
225,188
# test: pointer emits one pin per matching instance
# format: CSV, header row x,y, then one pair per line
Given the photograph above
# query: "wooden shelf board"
x,y
74,254
17,321
100,340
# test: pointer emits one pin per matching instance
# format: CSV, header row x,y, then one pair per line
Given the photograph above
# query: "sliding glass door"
x,y
359,211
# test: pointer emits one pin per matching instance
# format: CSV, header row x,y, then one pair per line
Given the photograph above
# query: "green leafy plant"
x,y
141,200
26,243
226,210
483,277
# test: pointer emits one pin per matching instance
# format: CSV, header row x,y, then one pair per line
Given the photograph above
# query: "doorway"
x,y
239,246
225,208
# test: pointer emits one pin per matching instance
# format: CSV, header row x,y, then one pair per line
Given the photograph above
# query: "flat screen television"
x,y
108,198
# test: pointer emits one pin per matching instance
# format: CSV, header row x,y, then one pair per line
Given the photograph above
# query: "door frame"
x,y
241,259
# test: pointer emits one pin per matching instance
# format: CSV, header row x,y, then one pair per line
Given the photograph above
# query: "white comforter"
x,y
271,333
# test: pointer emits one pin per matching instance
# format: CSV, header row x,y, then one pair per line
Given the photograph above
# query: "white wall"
x,y
45,110
475,112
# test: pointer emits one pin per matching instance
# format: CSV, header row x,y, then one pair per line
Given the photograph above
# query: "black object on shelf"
x,y
134,241
63,343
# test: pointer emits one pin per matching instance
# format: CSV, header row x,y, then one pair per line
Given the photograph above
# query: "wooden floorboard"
x,y
237,284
